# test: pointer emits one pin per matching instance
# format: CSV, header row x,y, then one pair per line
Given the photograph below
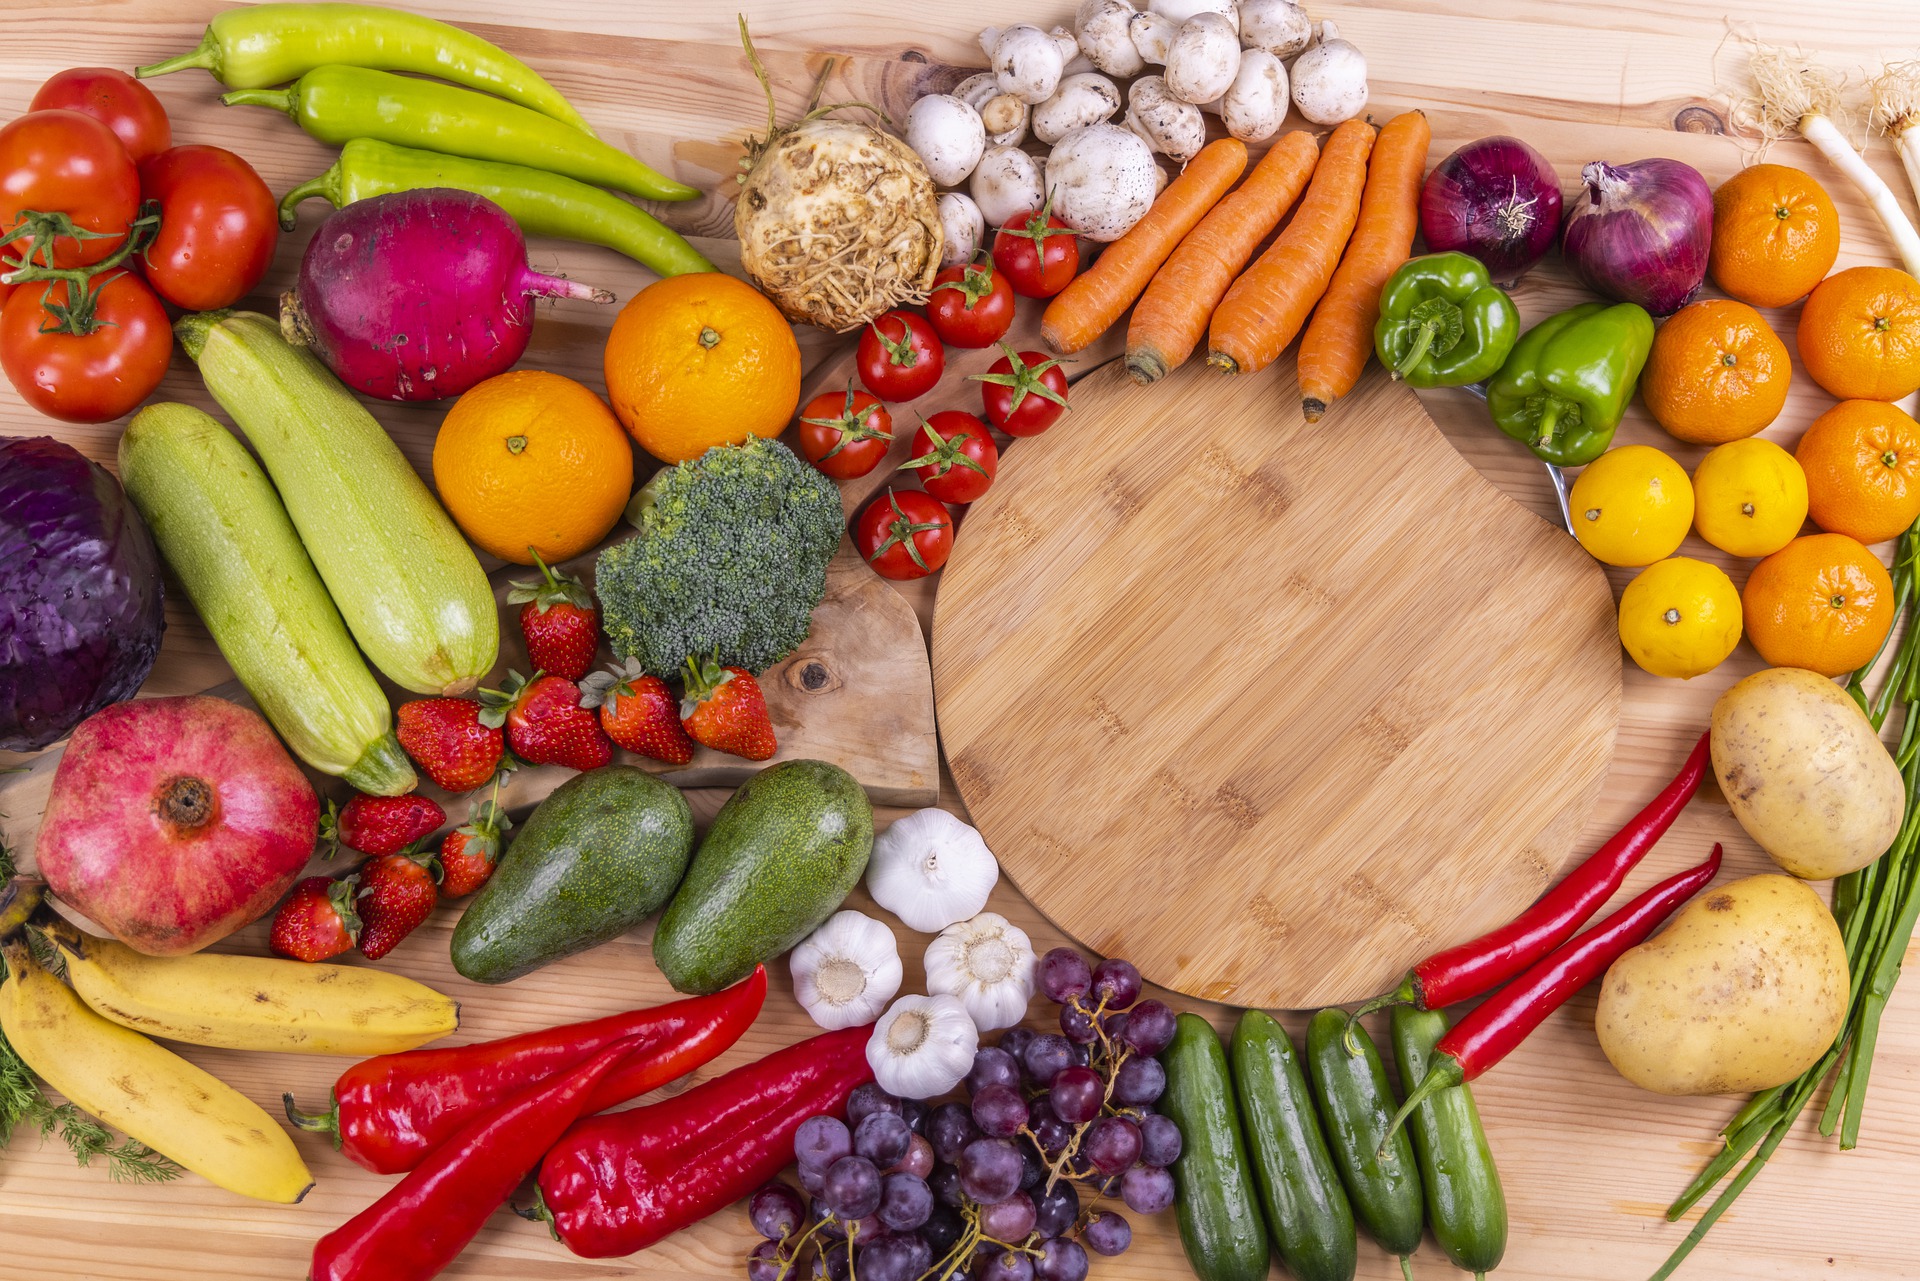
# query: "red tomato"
x,y
1025,392
845,436
66,162
971,305
955,456
1038,253
117,101
218,227
88,378
899,357
904,534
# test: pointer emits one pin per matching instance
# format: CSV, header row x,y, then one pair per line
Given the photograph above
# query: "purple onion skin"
x,y
418,295
1497,199
1640,232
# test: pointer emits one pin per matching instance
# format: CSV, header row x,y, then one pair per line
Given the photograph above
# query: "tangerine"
x,y
1860,334
1776,234
1717,372
1822,602
1862,460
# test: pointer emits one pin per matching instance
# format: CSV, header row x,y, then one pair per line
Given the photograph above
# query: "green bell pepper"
x,y
1443,323
1569,378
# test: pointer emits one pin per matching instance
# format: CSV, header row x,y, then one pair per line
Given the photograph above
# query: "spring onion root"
x,y
1895,98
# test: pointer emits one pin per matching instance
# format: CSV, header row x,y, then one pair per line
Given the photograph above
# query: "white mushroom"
x,y
1171,127
1006,183
1104,39
1330,79
1101,180
1179,12
1256,102
1152,33
962,227
1002,115
1081,100
1027,62
977,88
947,136
1069,46
989,37
1281,27
1202,59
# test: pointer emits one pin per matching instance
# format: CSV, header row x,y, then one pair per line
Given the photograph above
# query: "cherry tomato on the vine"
x,y
899,357
955,456
904,534
88,377
971,305
1024,392
845,436
218,227
117,101
64,162
1039,254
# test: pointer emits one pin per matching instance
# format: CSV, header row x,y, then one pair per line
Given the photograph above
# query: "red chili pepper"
x,y
1463,972
1498,1024
423,1222
619,1183
389,1112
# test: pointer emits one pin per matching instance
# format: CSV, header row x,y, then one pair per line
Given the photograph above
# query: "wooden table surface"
x,y
1588,1160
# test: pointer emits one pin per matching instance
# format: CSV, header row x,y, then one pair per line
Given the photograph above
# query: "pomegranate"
x,y
175,821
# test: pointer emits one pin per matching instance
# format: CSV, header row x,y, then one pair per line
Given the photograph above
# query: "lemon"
x,y
1749,497
1680,617
1631,506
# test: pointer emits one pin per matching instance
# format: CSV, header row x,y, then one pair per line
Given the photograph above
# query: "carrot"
x,y
1172,315
1266,307
1088,306
1339,338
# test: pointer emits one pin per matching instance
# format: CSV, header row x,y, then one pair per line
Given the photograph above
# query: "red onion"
x,y
1497,199
1640,232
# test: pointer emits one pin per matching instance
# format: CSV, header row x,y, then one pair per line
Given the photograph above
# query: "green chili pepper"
x,y
544,204
338,104
269,44
1567,381
1443,323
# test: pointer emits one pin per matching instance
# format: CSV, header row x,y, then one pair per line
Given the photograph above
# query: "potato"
x,y
1805,773
1745,989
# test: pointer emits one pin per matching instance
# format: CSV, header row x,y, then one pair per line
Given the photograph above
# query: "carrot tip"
x,y
1312,407
1146,368
1222,361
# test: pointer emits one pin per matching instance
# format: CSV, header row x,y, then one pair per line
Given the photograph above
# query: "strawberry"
x,y
638,712
317,921
447,741
396,894
545,723
379,824
468,855
558,618
725,709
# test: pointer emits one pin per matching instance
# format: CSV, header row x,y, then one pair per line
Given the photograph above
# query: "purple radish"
x,y
418,295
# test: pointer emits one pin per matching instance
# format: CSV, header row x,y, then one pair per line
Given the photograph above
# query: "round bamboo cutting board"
x,y
1271,709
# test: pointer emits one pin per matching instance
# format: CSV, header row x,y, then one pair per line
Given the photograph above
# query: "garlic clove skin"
x,y
987,963
845,972
922,1047
929,868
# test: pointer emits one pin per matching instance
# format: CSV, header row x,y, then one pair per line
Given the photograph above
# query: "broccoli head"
x,y
731,558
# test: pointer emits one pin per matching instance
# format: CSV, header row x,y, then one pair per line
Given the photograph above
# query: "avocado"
x,y
782,855
593,860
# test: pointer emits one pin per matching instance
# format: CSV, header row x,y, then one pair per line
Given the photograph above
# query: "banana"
x,y
153,1094
254,1002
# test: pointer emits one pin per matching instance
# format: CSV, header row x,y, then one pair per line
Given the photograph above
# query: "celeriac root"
x,y
1895,95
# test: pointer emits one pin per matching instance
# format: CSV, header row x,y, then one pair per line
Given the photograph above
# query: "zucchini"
x,y
410,589
1218,1212
1465,1205
223,531
1356,1103
1307,1209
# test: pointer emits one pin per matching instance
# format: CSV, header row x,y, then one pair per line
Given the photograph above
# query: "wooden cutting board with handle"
x,y
1272,709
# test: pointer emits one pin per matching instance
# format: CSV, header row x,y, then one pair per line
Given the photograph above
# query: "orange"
x,y
1860,334
531,459
1862,460
1716,373
1822,602
1775,234
701,360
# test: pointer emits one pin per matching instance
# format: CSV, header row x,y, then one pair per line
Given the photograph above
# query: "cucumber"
x,y
1356,1104
410,589
1307,1209
1214,1190
1465,1206
222,529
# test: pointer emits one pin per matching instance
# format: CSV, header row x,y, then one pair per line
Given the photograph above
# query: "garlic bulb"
x,y
922,1047
988,964
930,870
845,972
